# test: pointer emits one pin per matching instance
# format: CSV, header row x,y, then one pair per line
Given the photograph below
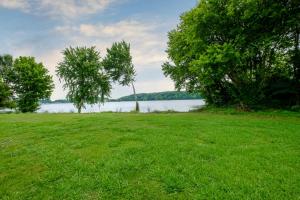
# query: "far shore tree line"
x,y
87,77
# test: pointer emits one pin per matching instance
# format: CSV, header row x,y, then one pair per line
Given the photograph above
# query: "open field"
x,y
150,156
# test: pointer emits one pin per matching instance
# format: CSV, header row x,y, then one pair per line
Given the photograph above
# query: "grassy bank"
x,y
150,156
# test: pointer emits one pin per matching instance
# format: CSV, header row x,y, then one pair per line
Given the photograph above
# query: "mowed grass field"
x,y
150,156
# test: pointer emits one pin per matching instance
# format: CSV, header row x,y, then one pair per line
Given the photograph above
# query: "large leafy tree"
x,y
30,82
231,51
84,76
118,64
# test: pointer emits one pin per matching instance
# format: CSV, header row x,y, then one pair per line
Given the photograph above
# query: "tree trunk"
x,y
296,63
80,106
296,56
137,107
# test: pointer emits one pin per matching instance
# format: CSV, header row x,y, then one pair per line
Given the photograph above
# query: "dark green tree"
x,y
6,94
84,76
6,62
118,64
30,82
6,100
231,51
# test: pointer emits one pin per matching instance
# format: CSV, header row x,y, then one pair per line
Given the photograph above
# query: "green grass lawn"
x,y
150,156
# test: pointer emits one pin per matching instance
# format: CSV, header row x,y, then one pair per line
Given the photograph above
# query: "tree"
x,y
84,76
6,62
30,83
6,94
231,51
118,64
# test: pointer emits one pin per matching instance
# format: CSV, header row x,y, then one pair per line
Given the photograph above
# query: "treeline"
x,y
25,83
156,96
48,101
238,52
172,95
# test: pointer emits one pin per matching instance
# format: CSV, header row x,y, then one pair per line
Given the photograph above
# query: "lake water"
x,y
145,106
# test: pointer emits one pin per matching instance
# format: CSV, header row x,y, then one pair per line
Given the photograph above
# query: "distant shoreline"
x,y
111,100
157,96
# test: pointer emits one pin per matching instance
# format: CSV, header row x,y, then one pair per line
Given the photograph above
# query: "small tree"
x,y
118,63
84,76
30,82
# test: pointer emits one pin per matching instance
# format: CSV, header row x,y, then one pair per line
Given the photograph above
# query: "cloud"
x,y
66,9
126,28
15,4
148,44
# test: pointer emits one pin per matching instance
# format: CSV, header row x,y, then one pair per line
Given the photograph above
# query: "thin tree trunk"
x,y
80,107
137,107
296,56
296,63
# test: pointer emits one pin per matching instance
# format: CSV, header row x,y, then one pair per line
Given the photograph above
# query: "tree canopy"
x,y
30,82
6,63
6,94
118,63
84,76
241,52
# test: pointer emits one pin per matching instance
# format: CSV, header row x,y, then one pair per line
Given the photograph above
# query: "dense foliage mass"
x,y
30,82
238,52
6,94
23,82
84,76
172,95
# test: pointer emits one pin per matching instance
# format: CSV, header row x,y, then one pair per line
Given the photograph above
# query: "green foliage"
x,y
6,63
118,63
5,96
230,51
84,76
30,82
173,95
208,155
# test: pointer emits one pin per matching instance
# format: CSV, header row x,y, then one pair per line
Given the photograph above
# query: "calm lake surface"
x,y
145,106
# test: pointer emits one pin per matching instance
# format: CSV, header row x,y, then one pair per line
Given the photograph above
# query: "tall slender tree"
x,y
118,64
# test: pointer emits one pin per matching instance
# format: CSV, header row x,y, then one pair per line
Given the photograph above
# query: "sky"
x,y
44,28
